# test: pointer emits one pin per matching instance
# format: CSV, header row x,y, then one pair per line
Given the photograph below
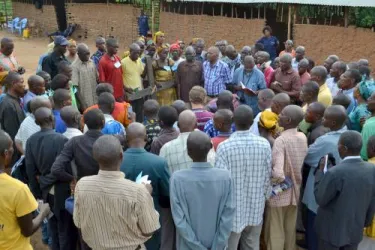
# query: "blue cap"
x,y
60,40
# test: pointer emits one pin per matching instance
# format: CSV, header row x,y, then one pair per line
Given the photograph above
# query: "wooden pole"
x,y
258,12
152,19
346,16
251,13
222,9
295,8
232,15
264,12
282,12
202,8
289,21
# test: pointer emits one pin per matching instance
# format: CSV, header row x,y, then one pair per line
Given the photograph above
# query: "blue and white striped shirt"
x,y
216,77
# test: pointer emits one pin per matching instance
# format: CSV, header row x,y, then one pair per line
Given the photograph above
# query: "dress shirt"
x,y
188,75
42,148
26,99
322,146
248,158
112,212
253,80
289,80
324,95
79,149
85,78
288,152
165,135
193,189
50,63
333,87
175,152
60,126
72,132
368,130
11,115
216,77
210,129
254,128
28,128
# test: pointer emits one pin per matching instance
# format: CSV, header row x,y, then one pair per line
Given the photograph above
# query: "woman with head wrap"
x,y
159,39
71,54
360,113
268,126
176,52
163,73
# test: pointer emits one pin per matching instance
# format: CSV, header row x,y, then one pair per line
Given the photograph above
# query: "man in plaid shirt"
x,y
248,158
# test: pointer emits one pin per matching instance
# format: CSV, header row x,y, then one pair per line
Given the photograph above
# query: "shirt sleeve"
x,y
326,187
148,218
315,152
268,172
25,202
62,163
180,220
32,171
101,70
77,207
46,65
9,120
221,161
278,160
296,86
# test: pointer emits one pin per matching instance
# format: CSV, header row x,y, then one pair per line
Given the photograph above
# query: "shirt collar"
x,y
224,134
323,87
340,131
201,165
74,130
135,150
108,117
351,157
31,93
112,174
289,131
93,133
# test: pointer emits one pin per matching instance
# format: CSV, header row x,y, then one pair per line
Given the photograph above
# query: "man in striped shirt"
x,y
131,219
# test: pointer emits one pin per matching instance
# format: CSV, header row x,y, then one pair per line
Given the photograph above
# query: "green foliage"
x,y
363,17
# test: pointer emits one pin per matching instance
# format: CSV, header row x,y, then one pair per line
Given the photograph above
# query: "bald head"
x,y
300,53
83,48
107,151
334,117
213,54
317,108
44,117
279,102
179,105
249,60
363,62
71,116
198,146
38,102
243,117
187,121
100,40
371,147
290,116
136,135
61,98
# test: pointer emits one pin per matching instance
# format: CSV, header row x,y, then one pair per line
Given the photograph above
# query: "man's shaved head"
x,y
198,146
190,49
223,119
243,117
38,102
319,74
334,117
136,135
100,40
35,81
279,102
107,151
187,121
294,116
71,116
44,117
363,62
304,63
82,47
314,112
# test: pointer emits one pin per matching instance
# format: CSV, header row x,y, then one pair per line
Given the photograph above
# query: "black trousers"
x,y
137,106
323,245
62,230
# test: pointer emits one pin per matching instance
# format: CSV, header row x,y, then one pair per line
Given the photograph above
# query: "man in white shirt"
x,y
337,69
300,55
28,126
265,97
72,117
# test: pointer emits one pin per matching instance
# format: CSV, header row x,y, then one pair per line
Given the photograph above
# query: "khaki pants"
x,y
280,228
248,238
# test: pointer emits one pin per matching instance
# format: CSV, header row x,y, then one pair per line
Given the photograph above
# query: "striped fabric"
x,y
114,213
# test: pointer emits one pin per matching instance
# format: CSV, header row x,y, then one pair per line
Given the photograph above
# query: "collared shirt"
x,y
96,57
254,128
175,152
152,129
8,63
198,228
138,161
27,98
288,152
110,71
351,157
357,114
60,126
50,63
368,130
202,57
72,132
203,116
324,95
253,80
188,75
353,102
210,129
165,135
79,149
250,169
42,148
28,128
11,115
132,212
333,87
216,77
85,77
322,146
131,73
305,77
290,81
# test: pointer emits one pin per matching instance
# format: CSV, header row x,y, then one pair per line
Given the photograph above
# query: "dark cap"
x,y
60,40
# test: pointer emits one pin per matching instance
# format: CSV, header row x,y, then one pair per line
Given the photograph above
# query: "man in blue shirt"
x,y
201,186
249,80
61,98
138,161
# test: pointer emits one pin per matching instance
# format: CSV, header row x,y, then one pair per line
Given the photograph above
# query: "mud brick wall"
x,y
350,44
236,31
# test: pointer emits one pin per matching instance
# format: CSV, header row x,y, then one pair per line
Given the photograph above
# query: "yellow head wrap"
x,y
72,42
157,34
269,121
161,48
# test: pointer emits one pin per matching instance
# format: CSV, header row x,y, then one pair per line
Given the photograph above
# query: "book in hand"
x,y
247,90
142,179
281,187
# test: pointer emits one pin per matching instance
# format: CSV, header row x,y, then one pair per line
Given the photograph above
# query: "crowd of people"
x,y
231,150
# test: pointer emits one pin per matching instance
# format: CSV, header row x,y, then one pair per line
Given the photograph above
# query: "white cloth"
x,y
72,132
332,85
254,128
27,128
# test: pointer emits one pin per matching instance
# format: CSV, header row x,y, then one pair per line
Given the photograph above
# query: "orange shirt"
x,y
283,52
120,113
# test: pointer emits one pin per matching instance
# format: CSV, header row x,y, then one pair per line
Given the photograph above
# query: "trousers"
x,y
249,238
323,245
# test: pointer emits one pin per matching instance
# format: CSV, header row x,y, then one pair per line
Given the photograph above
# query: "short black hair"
x,y
151,108
60,81
364,70
94,119
243,117
61,66
5,140
354,74
352,140
106,102
168,115
103,88
43,74
341,99
10,79
60,96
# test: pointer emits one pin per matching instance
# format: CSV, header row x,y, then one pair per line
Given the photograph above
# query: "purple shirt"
x,y
203,116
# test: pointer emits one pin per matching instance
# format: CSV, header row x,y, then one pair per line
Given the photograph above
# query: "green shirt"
x,y
368,130
356,115
304,126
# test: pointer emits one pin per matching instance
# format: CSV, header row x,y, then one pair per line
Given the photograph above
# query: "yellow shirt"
x,y
131,73
325,96
16,201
